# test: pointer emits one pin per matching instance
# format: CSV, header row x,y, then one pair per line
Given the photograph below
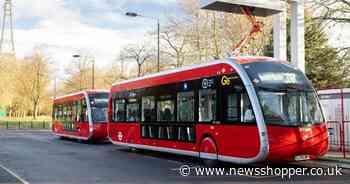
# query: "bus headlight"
x,y
301,157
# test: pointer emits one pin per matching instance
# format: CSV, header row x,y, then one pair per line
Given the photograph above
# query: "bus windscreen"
x,y
286,96
99,107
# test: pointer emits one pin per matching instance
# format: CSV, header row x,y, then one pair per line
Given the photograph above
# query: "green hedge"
x,y
25,124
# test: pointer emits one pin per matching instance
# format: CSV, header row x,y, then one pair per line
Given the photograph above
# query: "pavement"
x,y
32,157
337,158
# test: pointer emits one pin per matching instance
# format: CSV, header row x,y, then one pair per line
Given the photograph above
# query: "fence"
x,y
25,125
336,106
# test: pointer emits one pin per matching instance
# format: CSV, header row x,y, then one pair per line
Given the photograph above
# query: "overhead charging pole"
x,y
277,9
279,22
298,34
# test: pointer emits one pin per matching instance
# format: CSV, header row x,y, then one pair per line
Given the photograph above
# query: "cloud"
x,y
63,40
64,28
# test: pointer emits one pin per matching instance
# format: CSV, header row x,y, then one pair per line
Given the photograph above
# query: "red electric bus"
x,y
239,110
82,115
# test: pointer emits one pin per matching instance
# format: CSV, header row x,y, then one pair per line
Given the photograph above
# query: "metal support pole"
x,y
298,34
55,88
342,122
80,76
134,14
93,74
158,58
280,35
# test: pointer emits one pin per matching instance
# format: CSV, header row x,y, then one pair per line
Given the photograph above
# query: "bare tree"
x,y
176,42
79,74
33,81
211,35
139,53
333,10
116,71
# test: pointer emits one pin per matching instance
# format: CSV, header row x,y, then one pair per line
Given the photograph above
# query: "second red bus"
x,y
81,115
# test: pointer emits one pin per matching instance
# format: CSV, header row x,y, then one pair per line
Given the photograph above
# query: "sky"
x,y
98,27
63,28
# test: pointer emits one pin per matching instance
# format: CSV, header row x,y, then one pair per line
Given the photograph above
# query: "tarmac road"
x,y
39,157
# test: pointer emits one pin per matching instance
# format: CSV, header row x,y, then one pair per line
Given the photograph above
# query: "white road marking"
x,y
14,174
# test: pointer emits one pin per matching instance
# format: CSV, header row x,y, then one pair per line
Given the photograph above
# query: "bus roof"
x,y
203,70
91,91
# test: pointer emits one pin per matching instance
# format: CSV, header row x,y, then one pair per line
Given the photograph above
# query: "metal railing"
x,y
25,124
337,110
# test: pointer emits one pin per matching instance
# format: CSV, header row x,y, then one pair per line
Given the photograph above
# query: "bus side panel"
x,y
83,130
130,133
232,140
124,132
178,145
57,127
100,131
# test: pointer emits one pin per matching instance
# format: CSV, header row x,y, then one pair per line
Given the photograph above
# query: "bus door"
x,y
238,133
82,122
68,120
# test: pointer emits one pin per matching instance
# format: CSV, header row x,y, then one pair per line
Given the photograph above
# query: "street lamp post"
x,y
55,88
80,78
133,14
93,73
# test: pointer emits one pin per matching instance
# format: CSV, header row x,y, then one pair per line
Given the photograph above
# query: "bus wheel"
x,y
208,152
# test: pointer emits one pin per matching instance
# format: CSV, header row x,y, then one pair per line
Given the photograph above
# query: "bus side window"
x,y
207,105
54,112
232,107
119,110
78,113
83,114
64,112
70,112
74,111
149,109
247,113
185,106
166,109
132,110
59,112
